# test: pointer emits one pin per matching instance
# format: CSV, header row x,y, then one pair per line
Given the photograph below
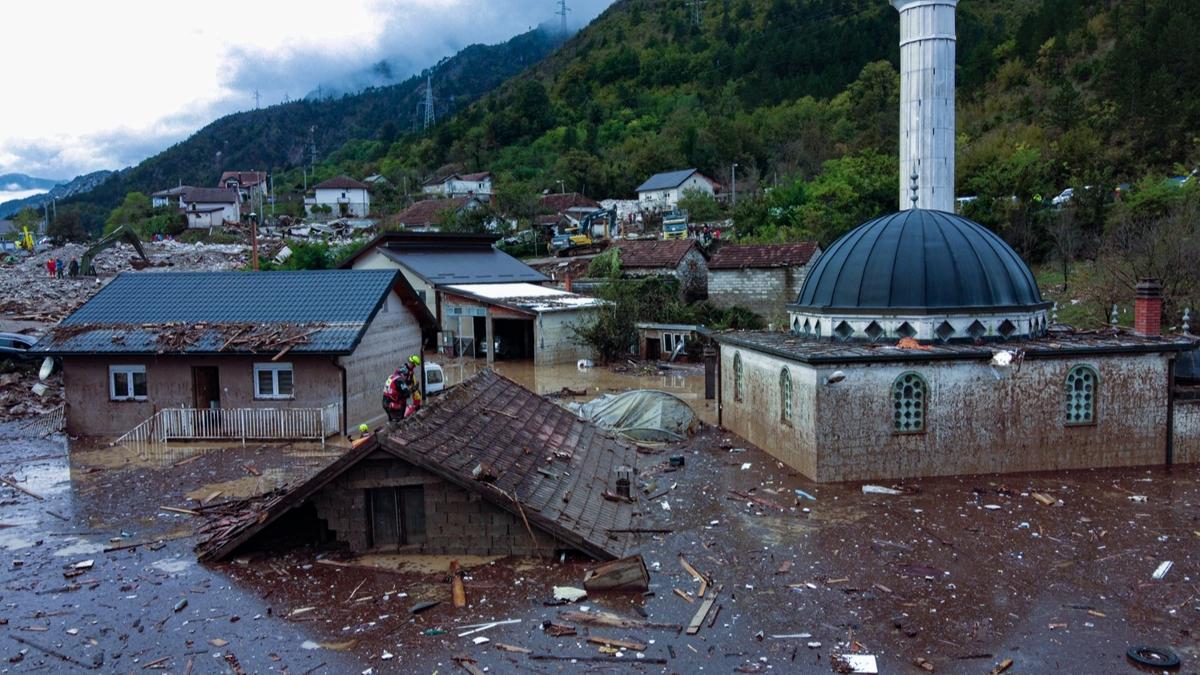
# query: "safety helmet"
x,y
415,360
364,428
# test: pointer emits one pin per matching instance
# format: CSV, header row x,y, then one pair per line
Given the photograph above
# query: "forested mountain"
x,y
278,137
802,94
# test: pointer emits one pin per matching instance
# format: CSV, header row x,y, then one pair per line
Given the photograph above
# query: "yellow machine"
x,y
25,241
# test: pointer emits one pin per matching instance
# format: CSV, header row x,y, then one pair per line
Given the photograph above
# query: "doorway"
x,y
206,387
397,516
653,349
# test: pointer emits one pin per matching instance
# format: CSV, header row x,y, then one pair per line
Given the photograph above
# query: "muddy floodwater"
x,y
98,572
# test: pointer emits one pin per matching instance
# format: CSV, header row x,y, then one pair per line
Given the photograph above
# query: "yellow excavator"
x,y
121,233
25,240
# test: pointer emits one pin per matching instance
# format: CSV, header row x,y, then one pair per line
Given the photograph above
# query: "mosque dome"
x,y
931,275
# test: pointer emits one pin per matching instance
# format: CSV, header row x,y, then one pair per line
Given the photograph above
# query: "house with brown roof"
x,y
679,258
210,207
488,468
341,197
755,276
245,182
478,185
429,214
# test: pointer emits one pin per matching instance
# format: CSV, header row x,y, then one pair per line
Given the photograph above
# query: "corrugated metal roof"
x,y
131,313
441,267
666,181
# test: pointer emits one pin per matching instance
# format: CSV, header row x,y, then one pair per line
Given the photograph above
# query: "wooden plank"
x,y
702,612
614,642
626,574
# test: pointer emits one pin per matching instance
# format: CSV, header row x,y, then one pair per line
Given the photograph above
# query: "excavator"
x,y
121,233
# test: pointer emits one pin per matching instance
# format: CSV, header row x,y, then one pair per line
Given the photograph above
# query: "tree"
x,y
27,218
700,206
68,226
133,211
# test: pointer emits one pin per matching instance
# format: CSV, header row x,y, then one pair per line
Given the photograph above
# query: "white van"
x,y
435,379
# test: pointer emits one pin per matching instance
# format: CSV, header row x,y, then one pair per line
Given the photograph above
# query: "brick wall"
x,y
457,522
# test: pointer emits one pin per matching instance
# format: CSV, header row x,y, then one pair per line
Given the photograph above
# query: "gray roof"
x,y
133,313
442,267
203,195
919,260
666,181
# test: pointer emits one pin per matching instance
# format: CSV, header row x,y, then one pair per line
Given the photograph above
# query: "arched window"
x,y
909,396
1081,395
739,384
785,396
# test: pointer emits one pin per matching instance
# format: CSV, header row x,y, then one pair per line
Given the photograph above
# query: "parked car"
x,y
15,345
435,379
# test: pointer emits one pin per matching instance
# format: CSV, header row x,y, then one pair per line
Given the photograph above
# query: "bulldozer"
x,y
121,233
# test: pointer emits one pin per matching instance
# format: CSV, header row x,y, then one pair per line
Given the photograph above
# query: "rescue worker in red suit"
x,y
395,395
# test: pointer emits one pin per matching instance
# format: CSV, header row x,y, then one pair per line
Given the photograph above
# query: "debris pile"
x,y
19,399
30,294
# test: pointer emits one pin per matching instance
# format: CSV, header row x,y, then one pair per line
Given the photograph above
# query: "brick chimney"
x,y
567,282
1147,308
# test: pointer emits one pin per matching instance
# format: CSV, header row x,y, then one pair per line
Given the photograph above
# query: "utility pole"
x,y
733,183
312,145
562,15
430,117
561,189
256,99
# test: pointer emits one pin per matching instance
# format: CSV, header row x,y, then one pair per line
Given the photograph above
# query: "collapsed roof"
x,y
543,464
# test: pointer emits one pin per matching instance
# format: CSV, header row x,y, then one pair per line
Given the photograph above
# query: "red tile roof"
x,y
738,256
341,183
427,212
558,203
244,178
656,253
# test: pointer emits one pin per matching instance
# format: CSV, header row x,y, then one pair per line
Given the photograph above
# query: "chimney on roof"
x,y
1147,308
927,46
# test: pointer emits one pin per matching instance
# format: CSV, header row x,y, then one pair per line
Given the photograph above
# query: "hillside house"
x,y
169,197
210,207
662,191
248,183
679,258
428,487
755,276
265,345
478,185
429,214
342,196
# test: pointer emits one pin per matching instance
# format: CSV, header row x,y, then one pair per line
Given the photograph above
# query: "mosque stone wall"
x,y
757,417
1187,432
975,422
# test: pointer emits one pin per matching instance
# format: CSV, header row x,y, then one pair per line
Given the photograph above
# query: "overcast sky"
x,y
104,84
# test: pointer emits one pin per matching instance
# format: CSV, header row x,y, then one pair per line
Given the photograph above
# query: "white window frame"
x,y
670,340
274,369
128,372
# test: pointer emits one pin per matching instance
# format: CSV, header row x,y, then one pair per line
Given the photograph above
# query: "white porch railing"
x,y
220,424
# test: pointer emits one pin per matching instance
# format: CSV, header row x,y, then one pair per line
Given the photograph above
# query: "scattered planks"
x,y
609,620
11,484
702,612
626,574
619,644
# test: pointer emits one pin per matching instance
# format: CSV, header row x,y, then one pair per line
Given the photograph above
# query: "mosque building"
x,y
920,344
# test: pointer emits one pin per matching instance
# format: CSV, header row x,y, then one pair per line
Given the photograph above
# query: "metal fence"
x,y
217,424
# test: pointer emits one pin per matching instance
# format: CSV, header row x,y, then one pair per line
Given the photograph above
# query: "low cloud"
x,y
415,34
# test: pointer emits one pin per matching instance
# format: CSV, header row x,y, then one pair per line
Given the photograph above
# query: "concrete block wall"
x,y
555,341
763,291
457,522
757,417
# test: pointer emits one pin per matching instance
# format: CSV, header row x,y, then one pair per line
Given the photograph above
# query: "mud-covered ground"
x,y
966,573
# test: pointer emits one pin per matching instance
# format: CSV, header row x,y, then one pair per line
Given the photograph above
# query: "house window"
x,y
739,384
671,340
127,383
909,396
785,396
1081,395
396,516
273,380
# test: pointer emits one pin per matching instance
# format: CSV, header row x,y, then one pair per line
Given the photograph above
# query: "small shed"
x,y
476,472
756,276
659,340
